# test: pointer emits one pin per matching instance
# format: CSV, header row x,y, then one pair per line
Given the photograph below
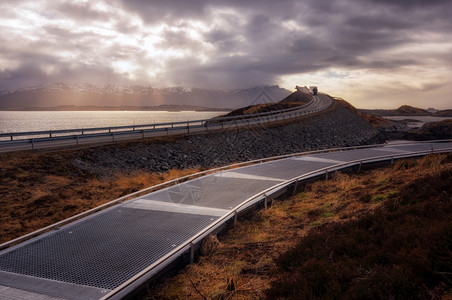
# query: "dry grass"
x,y
247,253
374,120
34,196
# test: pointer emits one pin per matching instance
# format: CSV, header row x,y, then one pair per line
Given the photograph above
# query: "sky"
x,y
372,53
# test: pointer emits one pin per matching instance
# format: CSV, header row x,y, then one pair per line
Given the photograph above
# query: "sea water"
x,y
25,121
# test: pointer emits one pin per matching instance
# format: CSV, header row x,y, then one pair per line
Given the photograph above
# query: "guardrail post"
x,y
76,140
11,137
326,174
113,136
295,188
392,160
50,134
235,217
265,202
32,144
188,127
142,133
359,168
167,131
192,252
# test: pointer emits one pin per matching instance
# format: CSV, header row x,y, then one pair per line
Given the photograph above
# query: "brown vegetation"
x,y
404,110
298,97
293,100
381,234
374,120
261,108
38,189
443,113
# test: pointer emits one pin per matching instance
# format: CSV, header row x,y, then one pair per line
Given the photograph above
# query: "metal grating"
x,y
351,155
9,293
104,251
286,168
212,191
422,147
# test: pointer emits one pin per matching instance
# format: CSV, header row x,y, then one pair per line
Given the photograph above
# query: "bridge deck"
x,y
92,256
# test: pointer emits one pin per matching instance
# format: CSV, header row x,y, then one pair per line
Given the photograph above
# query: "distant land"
x,y
406,110
113,97
164,107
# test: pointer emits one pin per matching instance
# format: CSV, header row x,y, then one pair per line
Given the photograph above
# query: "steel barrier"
x,y
125,288
189,177
155,129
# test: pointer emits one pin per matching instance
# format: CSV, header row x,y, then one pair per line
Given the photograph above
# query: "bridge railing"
x,y
67,137
128,128
172,182
189,244
131,284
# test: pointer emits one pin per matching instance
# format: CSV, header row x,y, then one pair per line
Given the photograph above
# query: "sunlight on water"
x,y
20,121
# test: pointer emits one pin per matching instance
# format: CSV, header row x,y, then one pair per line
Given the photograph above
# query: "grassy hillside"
x,y
293,100
384,233
373,120
443,113
404,110
34,196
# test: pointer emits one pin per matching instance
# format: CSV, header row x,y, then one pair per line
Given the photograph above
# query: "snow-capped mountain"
x,y
84,94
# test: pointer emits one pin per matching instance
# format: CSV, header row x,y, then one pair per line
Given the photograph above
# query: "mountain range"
x,y
87,95
406,110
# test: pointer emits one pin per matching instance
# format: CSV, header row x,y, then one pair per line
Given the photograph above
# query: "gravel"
x,y
338,127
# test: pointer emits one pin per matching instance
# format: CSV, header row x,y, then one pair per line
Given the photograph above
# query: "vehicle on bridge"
x,y
313,90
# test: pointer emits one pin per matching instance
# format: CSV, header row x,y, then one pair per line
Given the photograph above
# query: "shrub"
x,y
401,250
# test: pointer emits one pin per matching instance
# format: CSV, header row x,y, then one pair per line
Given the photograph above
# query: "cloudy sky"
x,y
373,53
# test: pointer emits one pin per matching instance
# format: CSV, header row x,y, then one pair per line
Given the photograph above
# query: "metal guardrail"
x,y
124,288
162,185
156,129
182,179
83,131
121,291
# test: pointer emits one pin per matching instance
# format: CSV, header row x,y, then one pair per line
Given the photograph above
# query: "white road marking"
x,y
176,208
246,176
394,150
318,159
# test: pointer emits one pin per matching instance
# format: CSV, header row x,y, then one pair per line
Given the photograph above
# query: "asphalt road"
x,y
320,102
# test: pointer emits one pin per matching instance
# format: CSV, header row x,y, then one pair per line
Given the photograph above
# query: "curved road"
x,y
319,103
110,253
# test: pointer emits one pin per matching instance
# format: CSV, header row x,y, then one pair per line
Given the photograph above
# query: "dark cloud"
x,y
84,12
223,39
32,73
434,86
220,43
380,22
179,38
413,3
162,10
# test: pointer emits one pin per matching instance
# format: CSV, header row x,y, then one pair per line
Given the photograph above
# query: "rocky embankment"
x,y
339,127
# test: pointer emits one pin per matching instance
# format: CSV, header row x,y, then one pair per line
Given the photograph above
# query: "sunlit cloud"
x,y
373,53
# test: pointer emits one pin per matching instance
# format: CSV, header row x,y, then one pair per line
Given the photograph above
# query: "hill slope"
x,y
404,110
376,235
